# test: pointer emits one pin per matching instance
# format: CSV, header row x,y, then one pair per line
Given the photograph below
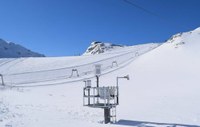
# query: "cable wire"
x,y
167,21
141,8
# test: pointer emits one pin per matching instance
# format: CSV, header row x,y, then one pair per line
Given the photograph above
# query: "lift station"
x,y
105,97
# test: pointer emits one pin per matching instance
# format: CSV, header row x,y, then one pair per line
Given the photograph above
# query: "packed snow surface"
x,y
163,89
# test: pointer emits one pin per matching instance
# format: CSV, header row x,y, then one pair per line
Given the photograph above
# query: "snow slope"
x,y
45,71
12,50
163,89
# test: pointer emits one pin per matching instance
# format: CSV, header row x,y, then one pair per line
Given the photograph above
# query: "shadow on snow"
x,y
151,124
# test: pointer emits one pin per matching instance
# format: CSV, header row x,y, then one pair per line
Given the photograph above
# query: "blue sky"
x,y
67,27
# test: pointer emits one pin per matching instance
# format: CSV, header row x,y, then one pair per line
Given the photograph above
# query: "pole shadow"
x,y
150,124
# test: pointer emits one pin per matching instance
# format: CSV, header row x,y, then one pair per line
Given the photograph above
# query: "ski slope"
x,y
46,71
163,89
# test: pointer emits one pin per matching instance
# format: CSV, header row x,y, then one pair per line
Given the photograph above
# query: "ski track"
x,y
63,79
11,64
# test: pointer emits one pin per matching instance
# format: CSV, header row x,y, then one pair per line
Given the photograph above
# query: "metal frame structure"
x,y
114,64
74,71
117,80
107,97
103,97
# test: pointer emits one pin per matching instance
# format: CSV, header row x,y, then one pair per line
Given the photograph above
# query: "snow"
x,y
163,89
45,71
97,47
12,50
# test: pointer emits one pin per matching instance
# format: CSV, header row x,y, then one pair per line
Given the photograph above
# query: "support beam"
x,y
107,115
97,77
97,88
88,96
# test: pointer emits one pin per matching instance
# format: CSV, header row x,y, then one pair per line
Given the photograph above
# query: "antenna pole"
x,y
117,90
97,87
97,81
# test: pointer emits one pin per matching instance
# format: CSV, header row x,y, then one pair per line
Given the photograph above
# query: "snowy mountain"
x,y
98,47
12,50
163,90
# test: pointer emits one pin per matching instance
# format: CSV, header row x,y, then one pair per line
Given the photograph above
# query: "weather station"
x,y
105,97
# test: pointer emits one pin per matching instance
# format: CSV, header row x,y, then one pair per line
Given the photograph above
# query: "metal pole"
x,y
107,115
97,77
117,90
2,80
88,96
93,97
83,96
97,80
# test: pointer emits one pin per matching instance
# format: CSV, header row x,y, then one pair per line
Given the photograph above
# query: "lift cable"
x,y
141,8
169,22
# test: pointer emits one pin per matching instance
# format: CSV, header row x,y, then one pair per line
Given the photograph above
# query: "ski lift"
x,y
2,80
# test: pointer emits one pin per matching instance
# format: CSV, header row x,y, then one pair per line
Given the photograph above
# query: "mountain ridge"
x,y
13,50
98,47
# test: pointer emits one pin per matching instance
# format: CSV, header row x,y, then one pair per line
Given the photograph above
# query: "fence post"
x,y
2,81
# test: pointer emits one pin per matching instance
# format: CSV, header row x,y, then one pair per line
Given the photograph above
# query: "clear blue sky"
x,y
67,27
